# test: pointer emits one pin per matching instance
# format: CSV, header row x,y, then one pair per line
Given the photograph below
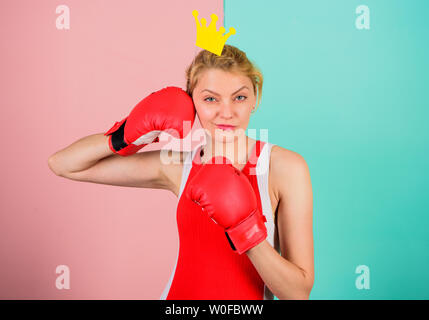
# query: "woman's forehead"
x,y
219,79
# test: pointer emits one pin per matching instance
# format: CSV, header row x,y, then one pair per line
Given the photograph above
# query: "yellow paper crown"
x,y
209,38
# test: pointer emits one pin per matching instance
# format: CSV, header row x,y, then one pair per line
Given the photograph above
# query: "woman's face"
x,y
224,101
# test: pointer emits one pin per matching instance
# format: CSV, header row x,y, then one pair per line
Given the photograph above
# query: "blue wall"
x,y
354,104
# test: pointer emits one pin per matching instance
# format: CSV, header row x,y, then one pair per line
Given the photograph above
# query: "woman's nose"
x,y
226,110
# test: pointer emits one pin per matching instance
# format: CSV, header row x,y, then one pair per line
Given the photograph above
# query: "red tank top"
x,y
207,267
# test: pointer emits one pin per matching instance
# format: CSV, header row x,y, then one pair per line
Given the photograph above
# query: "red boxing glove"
x,y
163,110
227,196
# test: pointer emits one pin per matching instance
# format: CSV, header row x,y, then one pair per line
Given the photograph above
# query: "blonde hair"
x,y
232,59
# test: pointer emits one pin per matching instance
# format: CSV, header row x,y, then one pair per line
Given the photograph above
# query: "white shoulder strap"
x,y
187,166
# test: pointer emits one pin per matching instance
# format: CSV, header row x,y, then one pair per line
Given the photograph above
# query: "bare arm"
x,y
291,274
80,155
90,159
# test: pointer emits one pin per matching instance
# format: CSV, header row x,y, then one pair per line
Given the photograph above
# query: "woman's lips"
x,y
225,127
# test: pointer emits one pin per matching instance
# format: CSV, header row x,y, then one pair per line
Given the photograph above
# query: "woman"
x,y
223,90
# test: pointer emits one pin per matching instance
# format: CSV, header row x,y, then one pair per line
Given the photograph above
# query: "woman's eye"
x,y
213,98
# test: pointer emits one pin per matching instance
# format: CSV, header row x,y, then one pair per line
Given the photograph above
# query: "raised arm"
x,y
112,158
91,160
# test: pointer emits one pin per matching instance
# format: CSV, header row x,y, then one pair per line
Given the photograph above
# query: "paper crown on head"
x,y
209,38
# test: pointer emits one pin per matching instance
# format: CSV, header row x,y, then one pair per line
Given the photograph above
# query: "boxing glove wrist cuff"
x,y
117,142
248,233
117,138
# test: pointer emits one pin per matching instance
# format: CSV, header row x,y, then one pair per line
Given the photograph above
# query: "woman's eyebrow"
x,y
218,93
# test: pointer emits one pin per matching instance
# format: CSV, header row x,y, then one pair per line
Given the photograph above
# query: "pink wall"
x,y
59,86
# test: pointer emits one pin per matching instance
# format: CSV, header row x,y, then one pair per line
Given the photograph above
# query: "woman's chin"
x,y
225,136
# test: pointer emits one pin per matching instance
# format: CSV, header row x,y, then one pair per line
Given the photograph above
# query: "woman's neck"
x,y
237,151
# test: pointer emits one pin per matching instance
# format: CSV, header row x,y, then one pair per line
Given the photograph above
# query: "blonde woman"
x,y
245,228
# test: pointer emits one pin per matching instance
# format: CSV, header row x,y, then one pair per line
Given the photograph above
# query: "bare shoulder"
x,y
172,166
280,156
286,166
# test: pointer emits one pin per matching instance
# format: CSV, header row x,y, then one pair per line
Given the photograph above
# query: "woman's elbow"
x,y
53,165
307,289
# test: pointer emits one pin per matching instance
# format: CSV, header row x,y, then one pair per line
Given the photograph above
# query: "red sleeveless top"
x,y
207,267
